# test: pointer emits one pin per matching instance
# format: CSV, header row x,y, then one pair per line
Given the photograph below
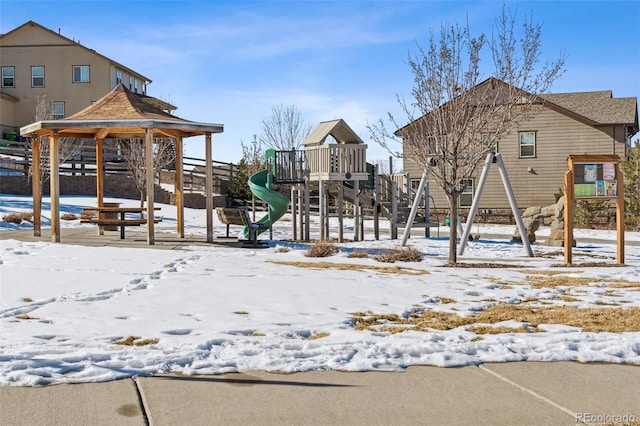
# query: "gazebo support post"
x,y
148,158
36,186
99,178
209,185
54,191
178,189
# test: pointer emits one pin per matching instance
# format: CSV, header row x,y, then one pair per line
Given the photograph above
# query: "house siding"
x,y
33,45
536,180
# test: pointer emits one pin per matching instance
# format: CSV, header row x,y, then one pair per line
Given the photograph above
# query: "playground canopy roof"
x,y
338,129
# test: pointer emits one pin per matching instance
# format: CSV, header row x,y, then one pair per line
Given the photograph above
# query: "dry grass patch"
x,y
68,216
552,281
352,267
614,320
485,329
588,265
135,341
548,279
545,272
321,250
358,254
241,312
318,335
88,214
404,254
18,218
26,317
282,249
446,300
27,299
629,284
567,298
603,303
555,254
481,265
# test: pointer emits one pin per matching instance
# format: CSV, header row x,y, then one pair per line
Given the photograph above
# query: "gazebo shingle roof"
x,y
122,104
121,114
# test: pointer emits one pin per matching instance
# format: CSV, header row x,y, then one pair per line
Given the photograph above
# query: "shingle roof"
x,y
600,107
121,114
122,104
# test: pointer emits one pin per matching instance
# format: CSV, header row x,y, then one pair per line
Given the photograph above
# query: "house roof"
x,y
338,129
27,24
594,108
121,114
600,107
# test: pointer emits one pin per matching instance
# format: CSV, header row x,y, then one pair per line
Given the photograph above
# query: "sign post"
x,y
593,177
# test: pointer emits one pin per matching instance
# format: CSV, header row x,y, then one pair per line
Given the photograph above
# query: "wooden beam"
x,y
208,187
568,215
148,158
99,178
620,214
179,189
170,133
101,134
36,186
54,191
593,158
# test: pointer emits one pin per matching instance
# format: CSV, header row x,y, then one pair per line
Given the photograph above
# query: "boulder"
x,y
553,214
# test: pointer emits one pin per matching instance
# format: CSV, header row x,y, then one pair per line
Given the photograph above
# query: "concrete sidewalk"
x,y
525,393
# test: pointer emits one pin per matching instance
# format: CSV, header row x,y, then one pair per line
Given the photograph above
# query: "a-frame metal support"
x,y
414,208
420,195
512,201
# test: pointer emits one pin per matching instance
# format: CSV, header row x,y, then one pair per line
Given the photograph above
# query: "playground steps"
x,y
350,196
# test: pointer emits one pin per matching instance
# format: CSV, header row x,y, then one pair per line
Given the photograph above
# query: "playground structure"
x,y
344,184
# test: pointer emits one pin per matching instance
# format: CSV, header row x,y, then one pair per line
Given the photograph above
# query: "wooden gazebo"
x,y
119,114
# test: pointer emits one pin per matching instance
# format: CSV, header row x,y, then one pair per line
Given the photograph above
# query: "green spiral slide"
x,y
278,203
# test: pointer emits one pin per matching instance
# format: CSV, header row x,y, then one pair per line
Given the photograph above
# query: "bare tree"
x,y
453,118
253,155
284,129
385,166
67,147
133,154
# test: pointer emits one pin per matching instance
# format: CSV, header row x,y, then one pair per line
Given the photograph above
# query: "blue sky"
x,y
230,62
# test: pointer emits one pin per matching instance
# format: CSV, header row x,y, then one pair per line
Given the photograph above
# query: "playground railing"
x,y
334,161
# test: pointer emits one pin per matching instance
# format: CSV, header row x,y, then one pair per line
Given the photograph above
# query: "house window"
x,y
527,144
130,83
8,76
37,76
466,196
436,146
81,73
118,76
57,110
135,86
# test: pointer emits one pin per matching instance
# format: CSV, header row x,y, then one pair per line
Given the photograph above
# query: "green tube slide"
x,y
278,203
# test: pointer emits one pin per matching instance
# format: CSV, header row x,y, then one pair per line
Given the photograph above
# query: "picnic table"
x,y
103,220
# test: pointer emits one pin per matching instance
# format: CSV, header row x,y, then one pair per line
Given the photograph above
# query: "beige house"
x,y
535,154
36,61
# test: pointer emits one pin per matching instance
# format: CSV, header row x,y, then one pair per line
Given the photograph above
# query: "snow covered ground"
x,y
210,309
